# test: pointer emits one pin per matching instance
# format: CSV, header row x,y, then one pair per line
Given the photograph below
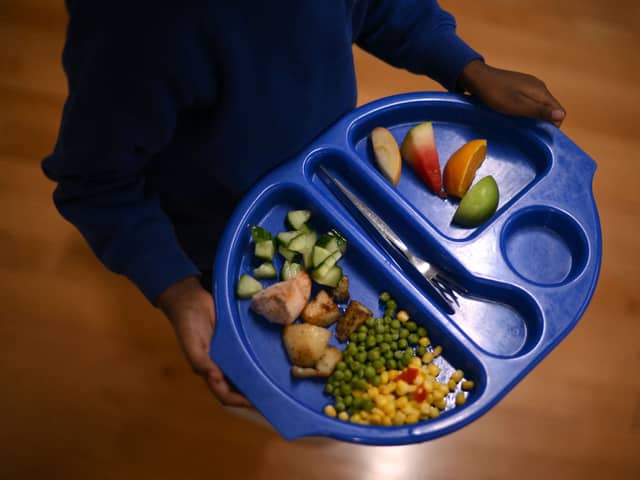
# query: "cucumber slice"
x,y
297,218
284,238
303,243
328,242
265,270
330,279
265,249
286,253
319,255
290,269
328,263
259,234
247,286
340,240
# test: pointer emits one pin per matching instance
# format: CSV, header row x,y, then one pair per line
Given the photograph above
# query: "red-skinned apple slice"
x,y
386,154
419,150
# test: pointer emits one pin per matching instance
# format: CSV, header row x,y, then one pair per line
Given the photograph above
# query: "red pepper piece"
x,y
420,394
408,375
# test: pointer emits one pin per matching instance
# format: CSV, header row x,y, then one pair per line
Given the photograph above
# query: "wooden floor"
x,y
94,386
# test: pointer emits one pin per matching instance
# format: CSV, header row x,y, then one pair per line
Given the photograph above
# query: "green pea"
x,y
395,324
385,297
395,335
384,347
398,354
388,354
362,348
394,345
422,332
376,380
338,374
391,363
373,355
369,372
348,375
402,343
411,326
413,338
421,350
341,366
404,333
357,403
367,404
328,388
340,407
363,329
346,389
391,303
371,341
362,357
353,337
370,322
352,348
361,337
378,364
379,338
348,400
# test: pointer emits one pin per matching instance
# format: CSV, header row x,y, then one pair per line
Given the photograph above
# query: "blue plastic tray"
x,y
532,269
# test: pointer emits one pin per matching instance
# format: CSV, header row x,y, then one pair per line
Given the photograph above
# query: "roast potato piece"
x,y
283,302
322,311
354,316
341,292
325,366
305,343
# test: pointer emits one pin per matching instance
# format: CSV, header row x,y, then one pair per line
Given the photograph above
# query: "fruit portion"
x,y
386,154
462,166
478,204
419,150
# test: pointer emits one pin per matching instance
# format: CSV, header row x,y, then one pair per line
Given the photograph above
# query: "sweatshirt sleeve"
x,y
416,35
127,82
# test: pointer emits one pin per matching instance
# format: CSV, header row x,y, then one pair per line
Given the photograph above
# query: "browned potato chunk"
x,y
328,361
321,311
341,292
354,316
305,343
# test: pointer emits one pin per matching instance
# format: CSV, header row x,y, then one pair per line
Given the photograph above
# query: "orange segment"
x,y
461,167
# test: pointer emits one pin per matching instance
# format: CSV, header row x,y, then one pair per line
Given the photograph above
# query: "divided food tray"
x,y
531,270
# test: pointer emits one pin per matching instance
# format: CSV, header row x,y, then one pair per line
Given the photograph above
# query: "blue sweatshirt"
x,y
176,108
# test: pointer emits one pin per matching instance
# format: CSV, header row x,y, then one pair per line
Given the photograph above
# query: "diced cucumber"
x,y
340,240
330,279
286,253
265,249
290,269
247,286
297,218
259,234
284,238
305,228
328,263
319,255
265,270
303,243
328,242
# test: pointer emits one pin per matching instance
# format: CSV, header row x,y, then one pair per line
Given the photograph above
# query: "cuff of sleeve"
x,y
447,56
152,277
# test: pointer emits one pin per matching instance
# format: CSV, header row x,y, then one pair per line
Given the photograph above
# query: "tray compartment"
x,y
369,275
500,319
515,158
544,246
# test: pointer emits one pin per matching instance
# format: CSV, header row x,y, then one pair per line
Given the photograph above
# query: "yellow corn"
x,y
356,393
384,378
401,402
343,416
389,409
434,412
437,395
413,418
409,409
401,387
451,385
437,350
330,410
433,369
402,316
428,385
427,357
386,421
468,385
375,419
424,341
419,380
457,375
425,408
460,399
381,400
355,418
441,404
399,418
364,415
415,362
373,392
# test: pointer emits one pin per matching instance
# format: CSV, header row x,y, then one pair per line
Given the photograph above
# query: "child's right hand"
x,y
190,309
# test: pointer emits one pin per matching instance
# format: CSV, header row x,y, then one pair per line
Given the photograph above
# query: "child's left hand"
x,y
511,93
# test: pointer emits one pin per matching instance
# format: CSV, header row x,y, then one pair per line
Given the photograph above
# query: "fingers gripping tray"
x,y
529,271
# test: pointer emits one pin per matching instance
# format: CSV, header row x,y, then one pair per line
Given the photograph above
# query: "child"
x,y
176,108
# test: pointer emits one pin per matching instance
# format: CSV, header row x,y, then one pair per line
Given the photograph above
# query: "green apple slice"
x,y
478,204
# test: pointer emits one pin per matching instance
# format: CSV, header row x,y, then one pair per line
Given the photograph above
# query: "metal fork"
x,y
444,286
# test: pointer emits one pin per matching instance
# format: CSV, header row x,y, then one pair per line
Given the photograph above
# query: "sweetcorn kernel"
x,y
424,341
437,350
468,385
413,417
451,385
441,404
401,387
384,378
434,412
372,392
403,316
330,410
386,421
344,416
356,418
375,419
415,362
389,409
401,402
460,399
433,369
399,418
457,375
427,357
381,400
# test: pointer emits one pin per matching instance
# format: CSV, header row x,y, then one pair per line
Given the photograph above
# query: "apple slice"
x,y
419,150
386,154
478,204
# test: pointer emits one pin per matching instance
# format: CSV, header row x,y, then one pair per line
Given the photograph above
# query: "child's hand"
x,y
189,307
512,93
